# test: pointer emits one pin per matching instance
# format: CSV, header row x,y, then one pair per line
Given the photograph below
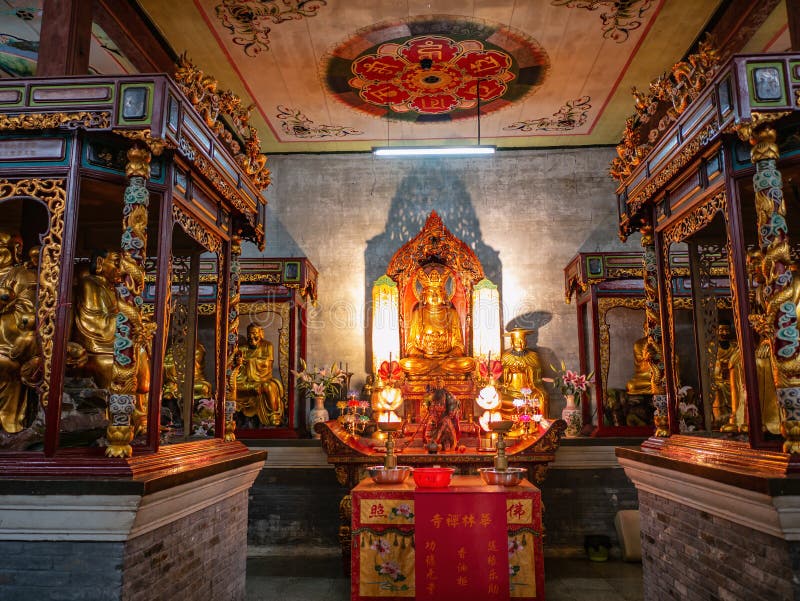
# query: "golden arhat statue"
x,y
17,325
258,392
435,343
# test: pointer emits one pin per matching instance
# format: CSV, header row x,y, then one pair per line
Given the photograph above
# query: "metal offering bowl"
x,y
391,475
501,426
511,476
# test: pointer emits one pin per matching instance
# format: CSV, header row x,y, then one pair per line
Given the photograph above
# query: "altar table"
x,y
466,542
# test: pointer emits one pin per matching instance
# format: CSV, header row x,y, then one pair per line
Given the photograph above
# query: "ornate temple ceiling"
x,y
339,75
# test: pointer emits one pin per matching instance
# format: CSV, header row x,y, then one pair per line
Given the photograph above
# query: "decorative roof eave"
x,y
149,109
726,103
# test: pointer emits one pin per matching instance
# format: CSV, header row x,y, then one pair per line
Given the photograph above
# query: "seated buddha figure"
x,y
522,369
641,382
435,344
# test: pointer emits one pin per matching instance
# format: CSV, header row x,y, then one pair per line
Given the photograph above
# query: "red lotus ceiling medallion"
x,y
431,74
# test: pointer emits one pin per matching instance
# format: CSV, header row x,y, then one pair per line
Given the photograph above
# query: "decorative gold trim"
x,y
689,152
698,218
746,130
196,230
604,305
202,91
155,145
209,170
86,119
53,193
669,95
269,278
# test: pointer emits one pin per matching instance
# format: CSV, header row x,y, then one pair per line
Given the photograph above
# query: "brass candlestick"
x,y
390,461
501,428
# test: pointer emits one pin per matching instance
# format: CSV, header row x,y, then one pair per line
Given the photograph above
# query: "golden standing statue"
x,y
641,382
96,309
17,335
728,389
258,392
522,369
435,344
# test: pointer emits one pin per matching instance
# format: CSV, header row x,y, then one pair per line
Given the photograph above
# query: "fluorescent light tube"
x,y
419,151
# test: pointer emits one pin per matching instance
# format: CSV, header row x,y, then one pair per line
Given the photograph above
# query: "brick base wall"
x,y
295,507
579,502
201,556
61,570
690,555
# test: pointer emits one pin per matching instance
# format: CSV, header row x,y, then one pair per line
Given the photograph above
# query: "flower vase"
x,y
572,415
317,414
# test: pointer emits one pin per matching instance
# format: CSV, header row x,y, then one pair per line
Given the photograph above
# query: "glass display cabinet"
x,y
113,201
702,172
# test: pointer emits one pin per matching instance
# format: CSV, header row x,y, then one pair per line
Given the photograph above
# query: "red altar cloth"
x,y
487,544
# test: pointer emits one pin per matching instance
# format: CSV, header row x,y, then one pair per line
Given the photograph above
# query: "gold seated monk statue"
x,y
435,345
17,331
641,382
522,369
172,381
258,392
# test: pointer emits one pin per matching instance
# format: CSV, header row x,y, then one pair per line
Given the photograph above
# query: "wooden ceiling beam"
x,y
135,35
65,38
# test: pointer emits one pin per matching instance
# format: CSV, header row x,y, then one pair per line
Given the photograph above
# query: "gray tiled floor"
x,y
320,578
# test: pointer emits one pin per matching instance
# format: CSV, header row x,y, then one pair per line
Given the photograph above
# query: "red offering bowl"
x,y
433,477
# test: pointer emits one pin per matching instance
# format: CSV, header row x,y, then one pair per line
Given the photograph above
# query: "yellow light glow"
x,y
385,321
486,320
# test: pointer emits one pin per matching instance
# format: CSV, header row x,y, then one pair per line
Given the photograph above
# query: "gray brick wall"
x,y
202,556
691,555
60,571
295,506
581,501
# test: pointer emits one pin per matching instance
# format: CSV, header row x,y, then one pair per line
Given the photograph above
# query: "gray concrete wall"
x,y
525,213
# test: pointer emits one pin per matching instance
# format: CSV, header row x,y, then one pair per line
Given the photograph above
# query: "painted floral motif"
x,y
402,511
295,123
573,114
431,75
515,546
388,569
620,16
248,20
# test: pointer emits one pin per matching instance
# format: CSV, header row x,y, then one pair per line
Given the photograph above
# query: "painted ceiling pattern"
x,y
333,75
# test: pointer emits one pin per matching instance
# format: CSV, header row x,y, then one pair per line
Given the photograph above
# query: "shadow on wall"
x,y
430,186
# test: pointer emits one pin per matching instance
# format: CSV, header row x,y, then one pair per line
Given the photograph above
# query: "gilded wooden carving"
x,y
53,193
88,120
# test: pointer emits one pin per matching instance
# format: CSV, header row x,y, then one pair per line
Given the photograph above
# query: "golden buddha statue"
x,y
727,398
258,392
641,382
96,308
17,330
435,344
522,369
